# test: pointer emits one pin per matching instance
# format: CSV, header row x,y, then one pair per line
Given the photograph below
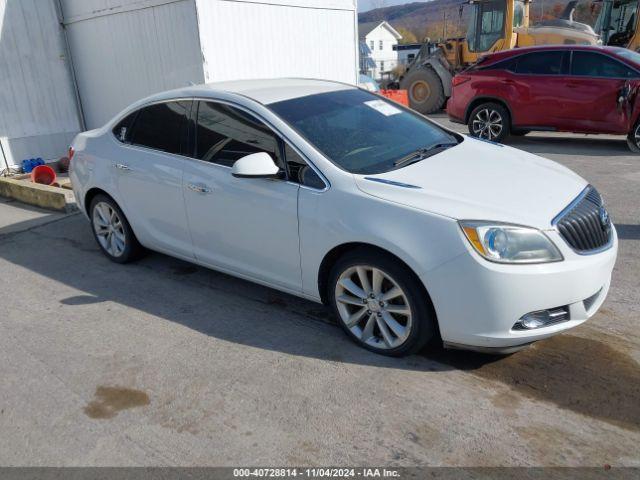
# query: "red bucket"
x,y
43,174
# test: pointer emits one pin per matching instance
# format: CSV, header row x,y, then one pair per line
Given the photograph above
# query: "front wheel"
x,y
490,121
633,139
425,90
380,304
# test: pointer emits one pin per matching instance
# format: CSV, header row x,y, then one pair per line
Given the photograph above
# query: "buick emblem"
x,y
604,217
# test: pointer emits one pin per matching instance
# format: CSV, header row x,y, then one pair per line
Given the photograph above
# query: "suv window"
x,y
123,129
596,65
299,171
225,134
162,126
540,63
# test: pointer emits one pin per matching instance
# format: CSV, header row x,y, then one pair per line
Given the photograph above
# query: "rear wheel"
x,y
426,93
112,231
490,121
633,139
380,304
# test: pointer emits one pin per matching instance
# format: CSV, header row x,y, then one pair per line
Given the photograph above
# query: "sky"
x,y
364,5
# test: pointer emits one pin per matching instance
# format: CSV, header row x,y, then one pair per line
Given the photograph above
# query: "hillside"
x,y
439,18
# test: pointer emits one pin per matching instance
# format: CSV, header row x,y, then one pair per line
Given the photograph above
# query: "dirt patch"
x,y
583,375
109,401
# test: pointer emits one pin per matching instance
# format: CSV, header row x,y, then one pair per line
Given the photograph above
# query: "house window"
x,y
373,45
382,66
381,45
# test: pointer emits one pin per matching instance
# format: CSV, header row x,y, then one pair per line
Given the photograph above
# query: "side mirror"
x,y
256,165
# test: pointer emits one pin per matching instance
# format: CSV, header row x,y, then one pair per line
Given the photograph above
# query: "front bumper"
x,y
478,302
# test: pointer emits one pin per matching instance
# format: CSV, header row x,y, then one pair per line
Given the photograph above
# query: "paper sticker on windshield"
x,y
383,107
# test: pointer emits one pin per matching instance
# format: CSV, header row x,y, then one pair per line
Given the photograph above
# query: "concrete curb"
x,y
45,196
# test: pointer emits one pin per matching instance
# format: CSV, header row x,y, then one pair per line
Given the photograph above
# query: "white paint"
x,y
37,103
277,233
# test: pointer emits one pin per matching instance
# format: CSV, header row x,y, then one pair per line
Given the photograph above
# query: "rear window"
x,y
540,63
162,126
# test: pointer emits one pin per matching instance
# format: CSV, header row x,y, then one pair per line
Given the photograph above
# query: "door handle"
x,y
199,188
121,166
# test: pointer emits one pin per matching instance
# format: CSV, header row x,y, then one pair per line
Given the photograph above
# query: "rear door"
x,y
148,176
535,85
593,92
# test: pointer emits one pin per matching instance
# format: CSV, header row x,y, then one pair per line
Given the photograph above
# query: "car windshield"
x,y
363,133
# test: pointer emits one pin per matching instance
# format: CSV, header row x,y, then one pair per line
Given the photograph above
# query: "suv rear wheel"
x,y
490,121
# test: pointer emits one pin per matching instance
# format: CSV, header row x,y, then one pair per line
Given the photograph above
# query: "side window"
x,y
509,65
162,126
541,63
300,172
595,65
225,134
122,130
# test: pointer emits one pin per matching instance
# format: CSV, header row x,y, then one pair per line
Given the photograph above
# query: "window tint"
x,y
360,132
162,126
123,129
509,65
225,134
596,65
541,63
299,171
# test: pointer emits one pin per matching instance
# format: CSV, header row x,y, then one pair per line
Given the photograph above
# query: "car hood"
x,y
478,180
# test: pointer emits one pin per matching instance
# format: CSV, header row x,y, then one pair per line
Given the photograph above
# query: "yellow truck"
x,y
494,25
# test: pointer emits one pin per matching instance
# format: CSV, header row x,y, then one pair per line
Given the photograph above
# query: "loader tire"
x,y
426,93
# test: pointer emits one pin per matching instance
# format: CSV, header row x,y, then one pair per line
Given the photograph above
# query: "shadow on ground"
x,y
593,377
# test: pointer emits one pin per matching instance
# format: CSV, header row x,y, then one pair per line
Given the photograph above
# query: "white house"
x,y
381,38
73,64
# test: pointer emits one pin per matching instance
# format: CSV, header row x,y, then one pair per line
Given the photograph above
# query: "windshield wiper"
x,y
422,153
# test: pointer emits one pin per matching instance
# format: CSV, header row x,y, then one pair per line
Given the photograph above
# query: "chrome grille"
x,y
585,223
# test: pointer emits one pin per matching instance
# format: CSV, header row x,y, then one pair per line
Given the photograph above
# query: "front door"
x,y
148,175
243,225
593,91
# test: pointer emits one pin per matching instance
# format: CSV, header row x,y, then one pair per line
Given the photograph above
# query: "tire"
x,y
633,139
112,231
426,93
490,121
404,331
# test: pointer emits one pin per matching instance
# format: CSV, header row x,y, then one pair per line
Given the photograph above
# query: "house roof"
x,y
365,29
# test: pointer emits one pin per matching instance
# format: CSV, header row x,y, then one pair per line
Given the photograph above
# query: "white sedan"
x,y
412,233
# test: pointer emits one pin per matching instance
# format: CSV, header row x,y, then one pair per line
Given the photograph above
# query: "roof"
x,y
365,29
263,91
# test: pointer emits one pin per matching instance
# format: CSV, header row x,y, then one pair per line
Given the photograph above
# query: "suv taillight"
x,y
459,80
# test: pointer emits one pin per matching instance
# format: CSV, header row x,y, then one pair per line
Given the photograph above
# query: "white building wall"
x,y
244,39
124,50
382,52
38,110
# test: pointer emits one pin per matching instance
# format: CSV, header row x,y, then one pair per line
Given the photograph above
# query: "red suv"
x,y
568,88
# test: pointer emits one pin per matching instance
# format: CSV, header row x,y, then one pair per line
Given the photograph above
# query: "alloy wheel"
x,y
487,124
109,229
373,306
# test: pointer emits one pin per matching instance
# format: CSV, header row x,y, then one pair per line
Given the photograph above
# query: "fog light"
x,y
542,318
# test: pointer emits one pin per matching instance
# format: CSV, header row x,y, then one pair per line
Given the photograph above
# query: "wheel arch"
x,y
487,99
91,194
338,251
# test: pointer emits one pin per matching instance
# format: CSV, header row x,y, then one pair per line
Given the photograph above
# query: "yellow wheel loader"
x,y
617,23
494,25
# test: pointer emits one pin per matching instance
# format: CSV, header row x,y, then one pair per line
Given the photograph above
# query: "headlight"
x,y
505,243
